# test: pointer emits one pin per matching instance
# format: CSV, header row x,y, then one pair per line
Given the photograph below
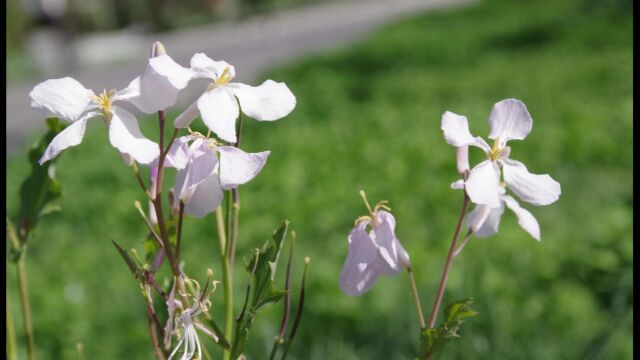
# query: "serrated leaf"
x,y
433,339
40,191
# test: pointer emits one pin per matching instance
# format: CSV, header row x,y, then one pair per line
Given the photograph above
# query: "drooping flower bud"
x,y
183,120
462,159
157,49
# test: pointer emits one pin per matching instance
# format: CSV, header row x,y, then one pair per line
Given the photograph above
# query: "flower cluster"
x,y
204,166
156,90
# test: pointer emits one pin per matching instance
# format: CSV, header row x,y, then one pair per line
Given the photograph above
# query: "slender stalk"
x,y
296,321
447,266
179,232
227,284
157,205
26,309
80,350
464,242
153,326
11,334
136,171
287,302
233,240
19,243
416,299
233,226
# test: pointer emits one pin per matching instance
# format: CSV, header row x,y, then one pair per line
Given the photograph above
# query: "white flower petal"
x,y
149,92
390,248
205,198
125,135
219,110
457,185
532,188
71,136
177,75
359,272
509,120
178,154
65,98
482,186
456,129
205,67
202,164
267,102
525,218
238,167
485,220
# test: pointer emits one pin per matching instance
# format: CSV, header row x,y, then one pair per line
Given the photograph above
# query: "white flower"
x,y
484,220
190,336
372,254
67,99
509,120
221,103
205,169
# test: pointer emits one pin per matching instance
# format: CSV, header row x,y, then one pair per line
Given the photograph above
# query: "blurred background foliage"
x,y
368,117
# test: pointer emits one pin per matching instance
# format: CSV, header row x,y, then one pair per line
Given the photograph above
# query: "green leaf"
x,y
263,288
40,191
433,339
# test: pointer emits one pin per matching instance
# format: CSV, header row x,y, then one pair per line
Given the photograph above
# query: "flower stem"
x,y
26,309
227,284
11,334
233,222
447,266
416,299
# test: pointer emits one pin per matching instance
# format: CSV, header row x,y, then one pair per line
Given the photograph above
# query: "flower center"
x,y
104,100
222,80
495,151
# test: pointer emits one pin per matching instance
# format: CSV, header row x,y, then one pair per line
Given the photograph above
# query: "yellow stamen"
x,y
104,100
496,150
222,80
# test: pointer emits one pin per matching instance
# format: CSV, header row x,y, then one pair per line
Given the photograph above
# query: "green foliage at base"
x,y
368,117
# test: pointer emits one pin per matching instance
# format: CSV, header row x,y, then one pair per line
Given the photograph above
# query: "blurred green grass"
x,y
368,117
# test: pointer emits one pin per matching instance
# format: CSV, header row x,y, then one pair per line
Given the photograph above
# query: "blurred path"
x,y
252,46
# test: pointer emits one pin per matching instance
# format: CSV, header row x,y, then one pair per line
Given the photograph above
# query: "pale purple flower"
x,y
206,168
373,253
222,101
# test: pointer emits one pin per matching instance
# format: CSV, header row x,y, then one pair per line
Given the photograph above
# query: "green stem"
x,y
227,284
26,309
11,334
416,299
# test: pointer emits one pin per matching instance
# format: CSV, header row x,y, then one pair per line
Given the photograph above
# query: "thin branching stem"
x,y
447,266
227,283
179,231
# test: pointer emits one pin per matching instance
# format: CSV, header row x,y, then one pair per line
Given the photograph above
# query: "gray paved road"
x,y
251,46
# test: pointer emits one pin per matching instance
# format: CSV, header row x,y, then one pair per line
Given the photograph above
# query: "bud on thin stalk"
x,y
462,159
183,120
